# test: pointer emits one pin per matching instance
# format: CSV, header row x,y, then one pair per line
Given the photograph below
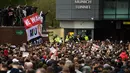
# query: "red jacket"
x,y
124,56
5,52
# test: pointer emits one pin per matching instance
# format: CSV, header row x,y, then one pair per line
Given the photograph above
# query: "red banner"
x,y
32,20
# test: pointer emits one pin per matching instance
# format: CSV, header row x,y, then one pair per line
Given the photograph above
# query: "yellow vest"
x,y
67,39
86,38
57,39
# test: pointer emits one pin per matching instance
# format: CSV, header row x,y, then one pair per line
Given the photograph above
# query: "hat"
x,y
44,57
15,60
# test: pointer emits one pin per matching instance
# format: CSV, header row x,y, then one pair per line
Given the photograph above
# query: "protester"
x,y
123,55
70,57
13,15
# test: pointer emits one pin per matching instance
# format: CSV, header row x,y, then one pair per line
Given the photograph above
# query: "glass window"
x,y
122,8
109,7
69,30
129,16
79,32
116,9
122,16
122,11
109,11
109,16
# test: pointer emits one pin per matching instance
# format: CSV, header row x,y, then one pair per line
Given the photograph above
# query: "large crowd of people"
x,y
70,57
12,15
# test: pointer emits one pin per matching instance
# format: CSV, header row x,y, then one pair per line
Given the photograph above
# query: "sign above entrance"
x,y
83,4
83,1
77,10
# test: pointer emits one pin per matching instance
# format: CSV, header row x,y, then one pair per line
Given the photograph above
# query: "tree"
x,y
5,3
45,5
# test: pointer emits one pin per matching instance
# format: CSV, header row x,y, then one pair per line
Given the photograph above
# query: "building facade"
x,y
99,19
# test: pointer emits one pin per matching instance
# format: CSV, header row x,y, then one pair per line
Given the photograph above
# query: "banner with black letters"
x,y
33,26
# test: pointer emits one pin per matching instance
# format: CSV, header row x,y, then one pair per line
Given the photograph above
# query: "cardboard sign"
x,y
52,49
22,49
25,54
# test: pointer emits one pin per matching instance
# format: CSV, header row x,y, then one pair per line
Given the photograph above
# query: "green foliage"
x,y
43,5
5,3
46,5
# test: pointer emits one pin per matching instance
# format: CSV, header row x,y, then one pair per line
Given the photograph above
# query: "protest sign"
x,y
32,20
37,41
32,25
52,49
22,48
25,54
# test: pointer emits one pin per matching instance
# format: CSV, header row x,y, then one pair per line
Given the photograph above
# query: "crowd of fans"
x,y
70,57
12,15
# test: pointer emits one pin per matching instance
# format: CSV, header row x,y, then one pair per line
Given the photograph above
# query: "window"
x,y
122,16
109,8
109,16
116,9
122,8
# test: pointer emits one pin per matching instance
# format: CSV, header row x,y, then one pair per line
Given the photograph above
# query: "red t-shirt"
x,y
124,56
5,52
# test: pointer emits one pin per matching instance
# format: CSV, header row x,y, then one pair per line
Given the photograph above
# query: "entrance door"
x,y
103,34
83,32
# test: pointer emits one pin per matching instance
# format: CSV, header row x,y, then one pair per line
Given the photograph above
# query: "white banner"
x,y
32,32
53,50
25,54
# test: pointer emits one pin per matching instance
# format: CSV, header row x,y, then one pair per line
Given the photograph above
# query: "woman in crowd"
x,y
70,57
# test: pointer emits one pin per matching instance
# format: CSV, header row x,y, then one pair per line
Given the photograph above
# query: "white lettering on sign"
x,y
83,7
83,1
83,4
27,22
35,19
37,41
